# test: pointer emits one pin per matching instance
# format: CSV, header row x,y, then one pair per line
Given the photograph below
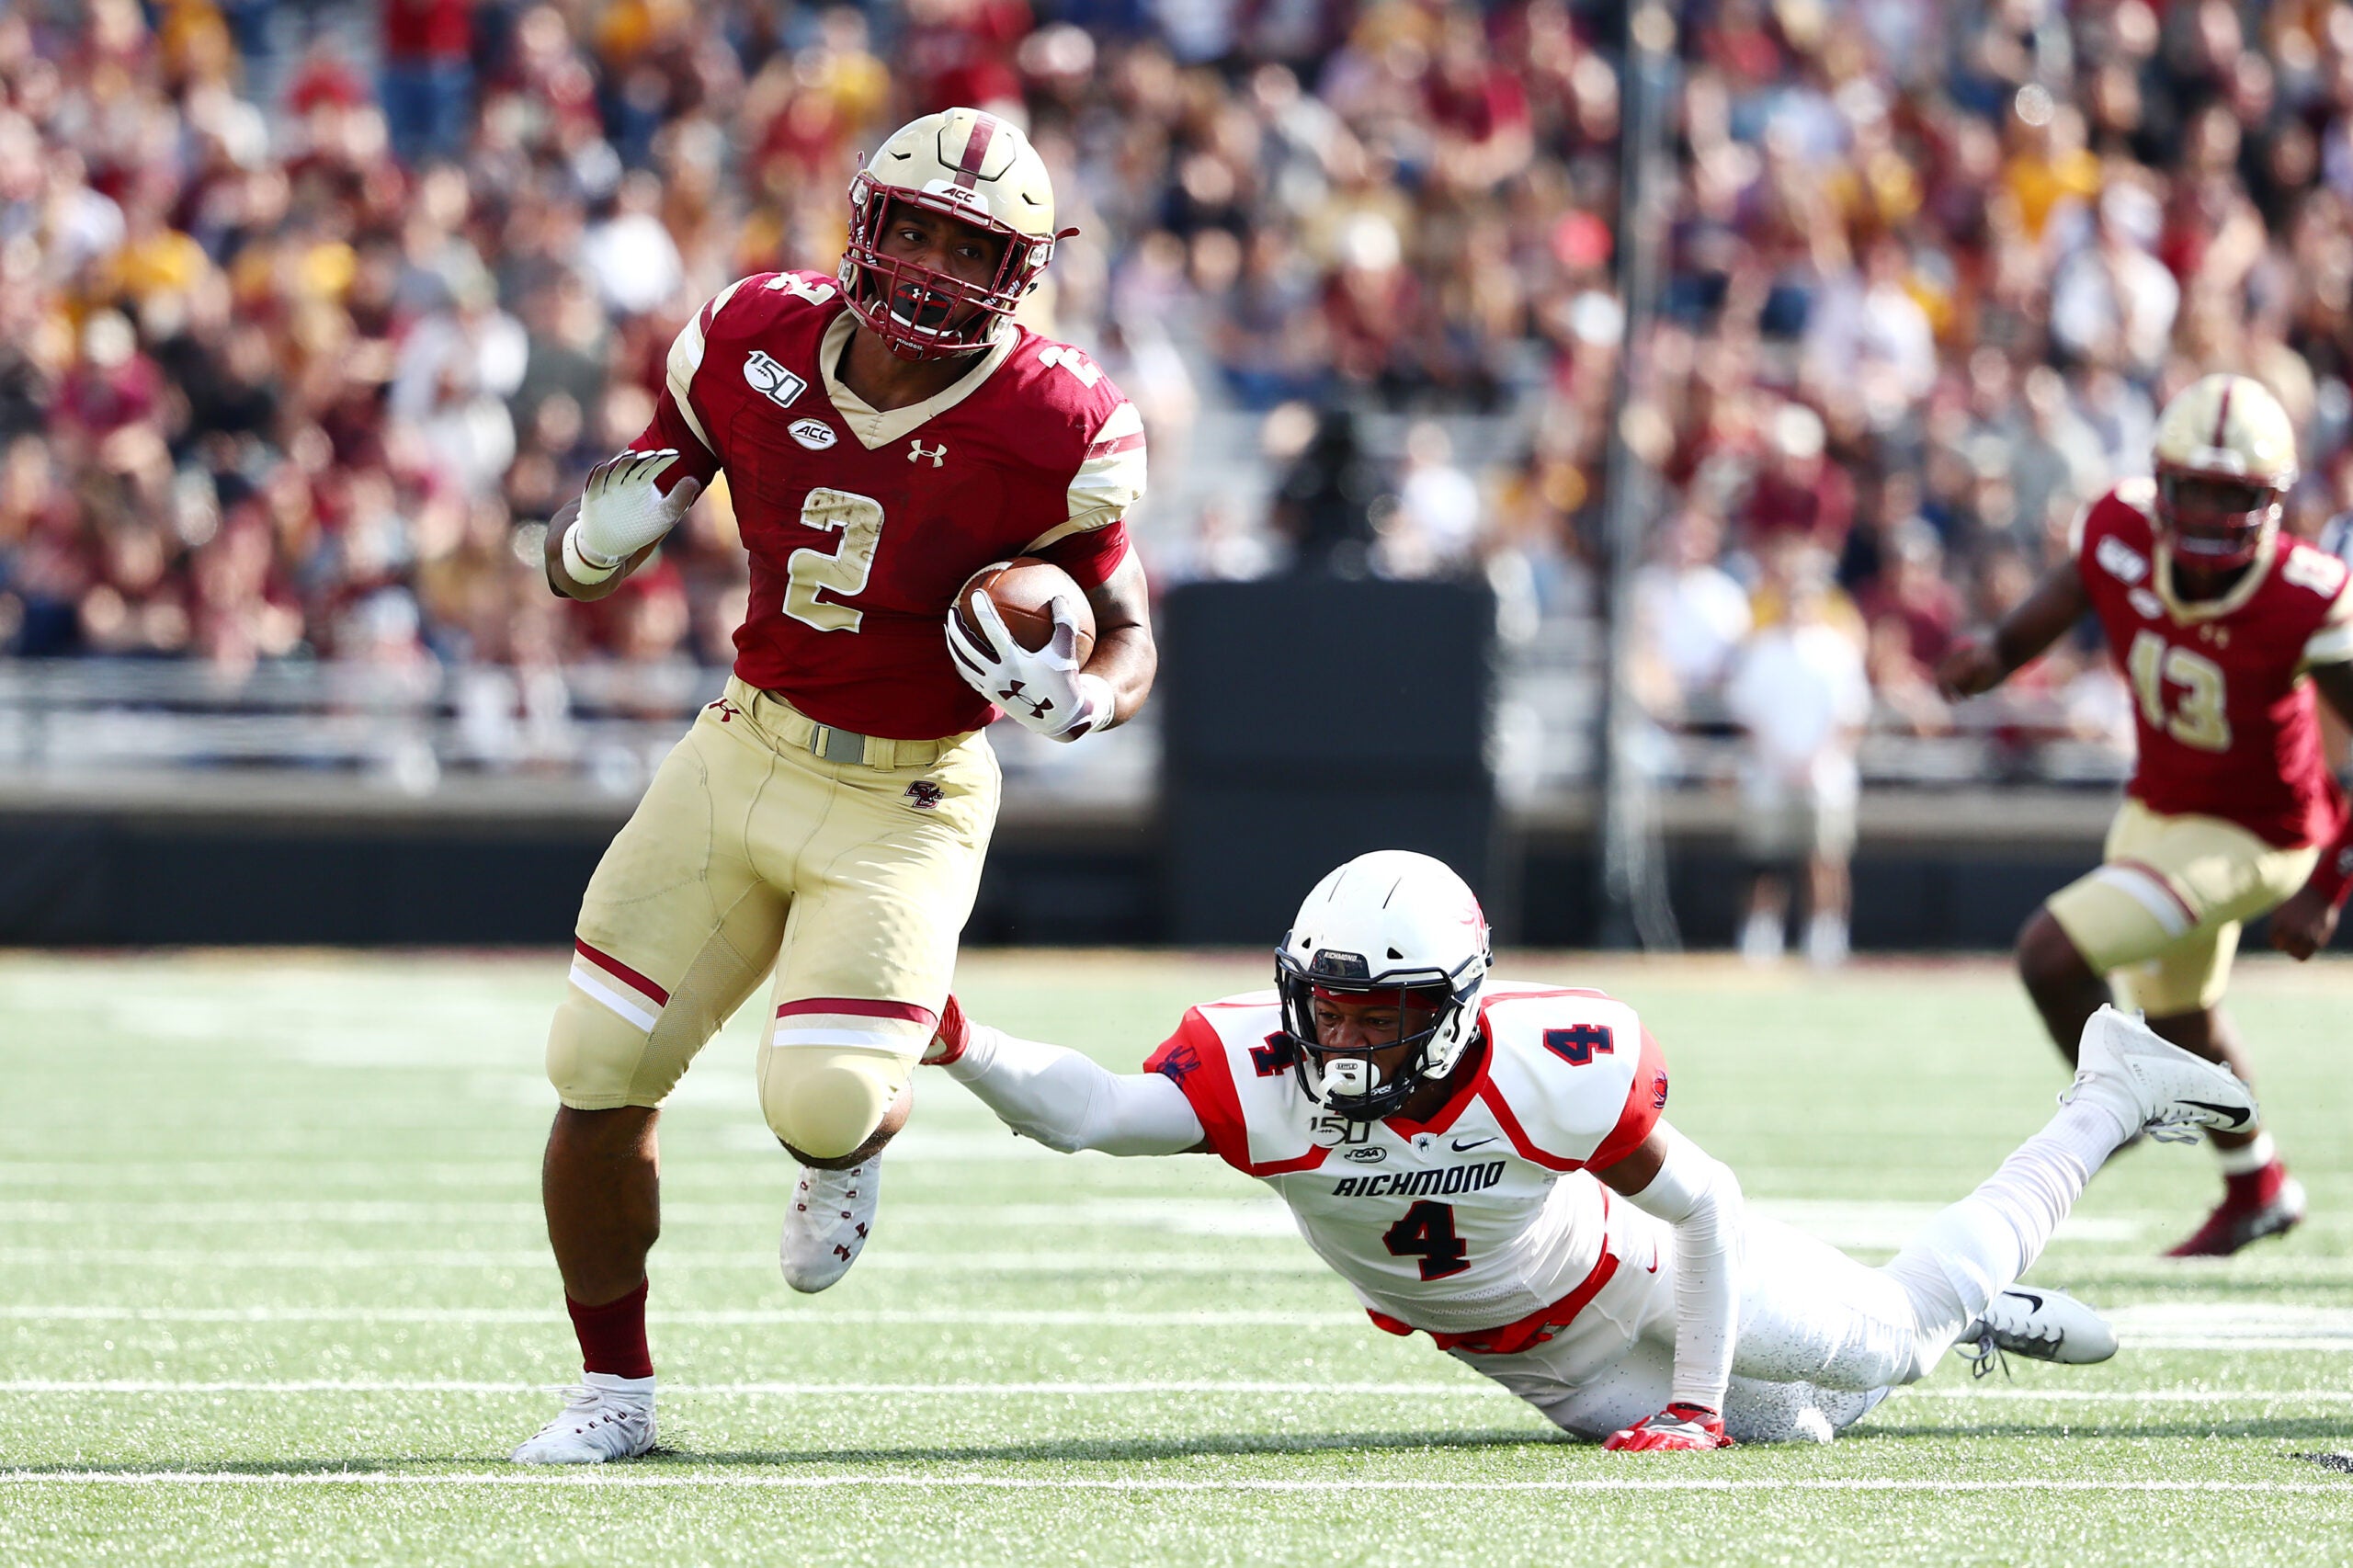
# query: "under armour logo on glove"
x,y
1013,696
1042,689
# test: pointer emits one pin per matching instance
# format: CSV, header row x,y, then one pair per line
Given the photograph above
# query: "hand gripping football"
x,y
1024,590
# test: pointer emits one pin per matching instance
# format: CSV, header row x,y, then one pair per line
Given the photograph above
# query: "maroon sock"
x,y
612,1337
2254,1189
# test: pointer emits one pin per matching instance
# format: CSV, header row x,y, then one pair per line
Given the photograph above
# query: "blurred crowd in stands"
x,y
311,313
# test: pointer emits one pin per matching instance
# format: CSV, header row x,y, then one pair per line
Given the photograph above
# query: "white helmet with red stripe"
x,y
2225,460
968,165
1395,928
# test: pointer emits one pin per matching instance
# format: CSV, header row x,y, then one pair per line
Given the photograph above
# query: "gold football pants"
x,y
754,851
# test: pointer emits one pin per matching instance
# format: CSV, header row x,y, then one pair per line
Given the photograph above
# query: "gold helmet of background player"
x,y
974,168
2225,460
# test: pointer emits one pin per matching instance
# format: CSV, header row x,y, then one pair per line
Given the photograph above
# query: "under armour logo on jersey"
x,y
1180,1061
772,380
938,454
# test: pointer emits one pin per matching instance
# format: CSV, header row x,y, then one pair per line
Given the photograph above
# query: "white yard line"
x,y
1062,1390
764,1390
2248,1326
1255,1217
601,1479
803,1316
1298,1262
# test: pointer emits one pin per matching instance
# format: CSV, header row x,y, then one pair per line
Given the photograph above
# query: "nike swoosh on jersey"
x,y
1461,1147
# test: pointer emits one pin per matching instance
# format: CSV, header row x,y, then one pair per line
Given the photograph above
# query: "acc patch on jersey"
x,y
813,434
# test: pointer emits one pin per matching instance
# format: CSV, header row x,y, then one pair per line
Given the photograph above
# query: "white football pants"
x,y
1821,1337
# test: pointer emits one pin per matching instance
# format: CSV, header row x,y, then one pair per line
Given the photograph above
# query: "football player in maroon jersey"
x,y
2225,628
886,432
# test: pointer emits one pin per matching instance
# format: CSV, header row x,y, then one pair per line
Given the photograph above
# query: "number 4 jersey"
x,y
862,524
1478,1225
2226,724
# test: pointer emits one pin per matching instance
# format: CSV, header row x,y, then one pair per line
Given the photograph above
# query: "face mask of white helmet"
x,y
1393,929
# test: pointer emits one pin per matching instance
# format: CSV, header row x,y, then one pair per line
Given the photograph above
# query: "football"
x,y
1022,589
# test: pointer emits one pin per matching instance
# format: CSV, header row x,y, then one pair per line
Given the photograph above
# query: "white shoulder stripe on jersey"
x,y
686,359
1107,483
1121,421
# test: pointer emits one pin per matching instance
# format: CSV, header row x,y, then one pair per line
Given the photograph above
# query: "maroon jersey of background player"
x,y
2226,727
862,525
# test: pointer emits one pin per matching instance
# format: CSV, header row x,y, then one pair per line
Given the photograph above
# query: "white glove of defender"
x,y
624,510
1045,691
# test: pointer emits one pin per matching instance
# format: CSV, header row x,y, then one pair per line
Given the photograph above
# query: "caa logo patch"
x,y
772,380
813,434
2119,560
1371,1154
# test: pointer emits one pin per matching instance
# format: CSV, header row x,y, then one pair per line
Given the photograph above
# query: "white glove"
x,y
624,510
1045,691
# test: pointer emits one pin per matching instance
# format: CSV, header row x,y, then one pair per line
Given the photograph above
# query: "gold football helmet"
x,y
2226,460
968,165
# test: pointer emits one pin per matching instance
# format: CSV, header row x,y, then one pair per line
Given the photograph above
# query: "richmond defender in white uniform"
x,y
1485,1162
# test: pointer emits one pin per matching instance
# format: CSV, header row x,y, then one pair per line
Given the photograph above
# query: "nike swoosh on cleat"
x,y
1462,1148
2026,1296
2237,1114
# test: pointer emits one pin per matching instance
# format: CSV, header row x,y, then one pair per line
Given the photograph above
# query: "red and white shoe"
x,y
2256,1204
825,1229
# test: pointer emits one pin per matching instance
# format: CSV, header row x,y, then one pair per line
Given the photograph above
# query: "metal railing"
x,y
601,729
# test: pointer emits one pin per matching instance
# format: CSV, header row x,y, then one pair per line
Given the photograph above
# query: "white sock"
x,y
1760,937
1979,1246
627,1390
2250,1157
1826,940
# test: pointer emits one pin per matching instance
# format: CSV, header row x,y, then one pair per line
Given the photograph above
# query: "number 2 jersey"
x,y
2227,724
1479,1225
862,524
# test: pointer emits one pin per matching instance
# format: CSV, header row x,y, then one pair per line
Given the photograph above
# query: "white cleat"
x,y
605,1419
2152,1083
832,1214
2043,1325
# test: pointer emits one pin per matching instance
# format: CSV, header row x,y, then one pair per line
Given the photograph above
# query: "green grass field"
x,y
273,1288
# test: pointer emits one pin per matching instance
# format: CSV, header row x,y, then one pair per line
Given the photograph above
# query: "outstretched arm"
x,y
1672,1177
1062,1099
2040,618
2303,926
